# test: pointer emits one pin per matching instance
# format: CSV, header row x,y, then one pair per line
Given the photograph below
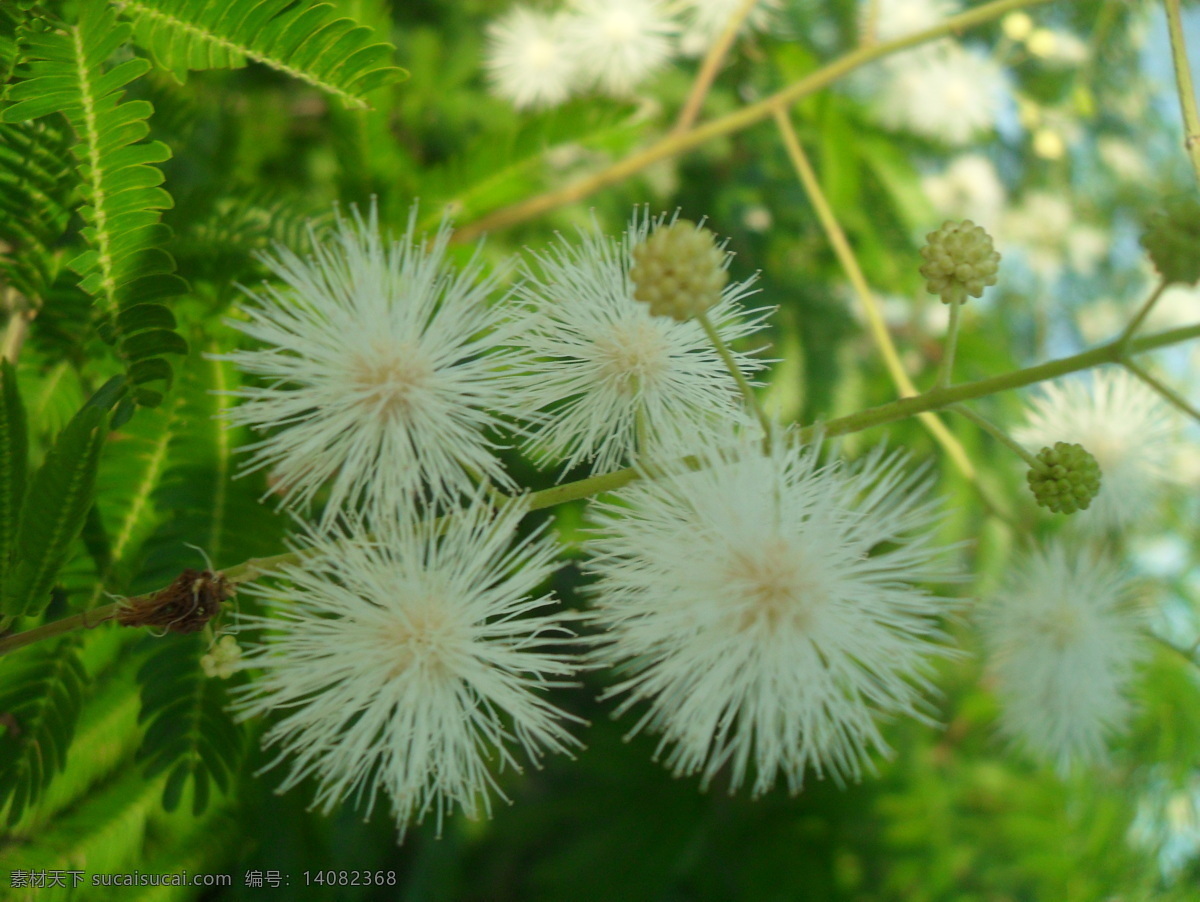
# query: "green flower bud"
x,y
678,270
1172,239
1068,482
959,261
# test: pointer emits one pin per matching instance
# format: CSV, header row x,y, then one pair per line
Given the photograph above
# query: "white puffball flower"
x,y
767,609
1063,640
706,20
528,60
946,93
410,660
1121,422
969,188
619,43
1045,231
604,368
378,373
899,18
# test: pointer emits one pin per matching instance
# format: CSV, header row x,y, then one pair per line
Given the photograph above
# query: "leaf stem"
x,y
875,322
947,365
1168,393
730,364
708,69
998,434
1183,83
1144,311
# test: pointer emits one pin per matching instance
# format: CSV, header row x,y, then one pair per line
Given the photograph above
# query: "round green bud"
x,y
1068,481
959,261
1172,239
678,270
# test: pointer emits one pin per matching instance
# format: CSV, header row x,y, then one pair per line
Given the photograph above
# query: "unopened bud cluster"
x,y
1172,239
959,261
678,270
1068,482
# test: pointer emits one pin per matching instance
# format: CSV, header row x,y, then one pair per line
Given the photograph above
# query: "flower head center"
x,y
1061,625
424,636
541,54
386,379
773,586
632,355
620,26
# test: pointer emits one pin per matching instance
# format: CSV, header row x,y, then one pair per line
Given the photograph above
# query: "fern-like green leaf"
x,y
36,184
307,41
41,692
14,450
15,19
125,265
189,734
53,512
207,506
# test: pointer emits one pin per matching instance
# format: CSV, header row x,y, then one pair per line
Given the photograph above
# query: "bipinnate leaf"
x,y
189,734
14,449
125,267
41,693
53,512
307,41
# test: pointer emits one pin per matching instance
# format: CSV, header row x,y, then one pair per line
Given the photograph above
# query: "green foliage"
x,y
36,184
206,506
306,41
189,734
126,267
41,692
14,449
52,515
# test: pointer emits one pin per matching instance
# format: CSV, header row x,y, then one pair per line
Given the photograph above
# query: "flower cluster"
x,y
540,59
764,604
942,90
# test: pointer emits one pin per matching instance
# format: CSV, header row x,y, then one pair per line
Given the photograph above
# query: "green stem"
x,y
1189,656
1144,311
730,364
712,62
1163,389
1183,83
998,434
870,304
937,398
944,371
934,399
85,620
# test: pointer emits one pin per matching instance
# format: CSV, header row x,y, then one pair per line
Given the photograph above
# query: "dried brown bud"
x,y
185,606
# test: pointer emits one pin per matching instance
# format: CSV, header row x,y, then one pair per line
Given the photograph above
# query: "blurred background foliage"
x,y
258,158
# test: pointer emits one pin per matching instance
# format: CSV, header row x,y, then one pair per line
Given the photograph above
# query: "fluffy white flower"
x,y
605,368
947,93
408,660
969,188
1124,424
898,18
766,609
619,43
1049,236
707,20
528,60
1063,641
379,371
